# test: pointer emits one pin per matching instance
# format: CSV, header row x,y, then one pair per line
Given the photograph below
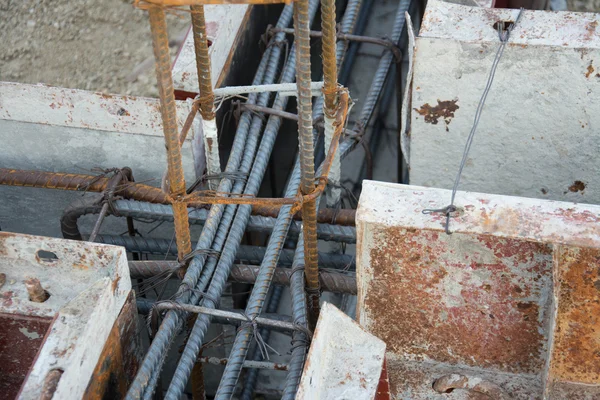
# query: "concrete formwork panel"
x,y
344,361
67,130
510,297
58,340
538,134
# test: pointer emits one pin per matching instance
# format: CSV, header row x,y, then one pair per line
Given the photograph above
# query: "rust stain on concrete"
x,y
476,300
444,110
577,186
576,352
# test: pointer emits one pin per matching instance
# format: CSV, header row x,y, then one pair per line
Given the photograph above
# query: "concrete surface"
x,y
88,286
537,134
344,361
67,130
509,296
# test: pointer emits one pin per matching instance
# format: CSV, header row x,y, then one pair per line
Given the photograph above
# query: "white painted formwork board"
x,y
539,131
88,286
75,131
344,361
510,297
224,25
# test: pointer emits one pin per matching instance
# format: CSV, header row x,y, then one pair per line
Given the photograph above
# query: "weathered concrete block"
x,y
68,130
344,361
538,132
511,296
80,340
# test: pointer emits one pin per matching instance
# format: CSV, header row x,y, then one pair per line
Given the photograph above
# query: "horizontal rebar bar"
x,y
244,254
247,363
331,280
283,89
352,38
236,316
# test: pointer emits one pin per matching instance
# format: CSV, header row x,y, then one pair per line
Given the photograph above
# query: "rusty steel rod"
x,y
142,192
331,280
387,43
207,97
162,55
206,100
231,315
307,156
247,364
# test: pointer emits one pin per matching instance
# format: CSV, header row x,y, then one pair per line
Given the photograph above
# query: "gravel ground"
x,y
584,6
99,45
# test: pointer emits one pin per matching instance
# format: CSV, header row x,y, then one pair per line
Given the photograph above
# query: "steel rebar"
x,y
294,181
206,97
162,55
235,234
244,254
332,280
155,357
307,158
197,216
247,364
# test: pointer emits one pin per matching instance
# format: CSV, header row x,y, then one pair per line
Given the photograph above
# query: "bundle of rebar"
x,y
218,256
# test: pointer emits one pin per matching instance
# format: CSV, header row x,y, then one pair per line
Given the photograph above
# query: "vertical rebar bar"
x,y
298,296
329,56
307,158
221,270
207,98
162,55
330,92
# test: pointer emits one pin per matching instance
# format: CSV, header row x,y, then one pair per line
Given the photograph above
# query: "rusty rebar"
x,y
346,217
142,192
162,55
331,280
307,157
80,182
328,29
383,42
50,384
36,292
207,97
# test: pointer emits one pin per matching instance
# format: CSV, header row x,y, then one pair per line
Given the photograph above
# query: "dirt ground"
x,y
100,45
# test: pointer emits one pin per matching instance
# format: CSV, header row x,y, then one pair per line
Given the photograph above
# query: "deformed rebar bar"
x,y
206,97
158,212
144,382
150,194
162,55
247,364
244,253
235,234
307,156
332,280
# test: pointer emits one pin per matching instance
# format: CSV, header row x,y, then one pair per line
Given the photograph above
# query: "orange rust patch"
x,y
576,353
577,186
590,71
444,110
115,283
476,300
119,360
